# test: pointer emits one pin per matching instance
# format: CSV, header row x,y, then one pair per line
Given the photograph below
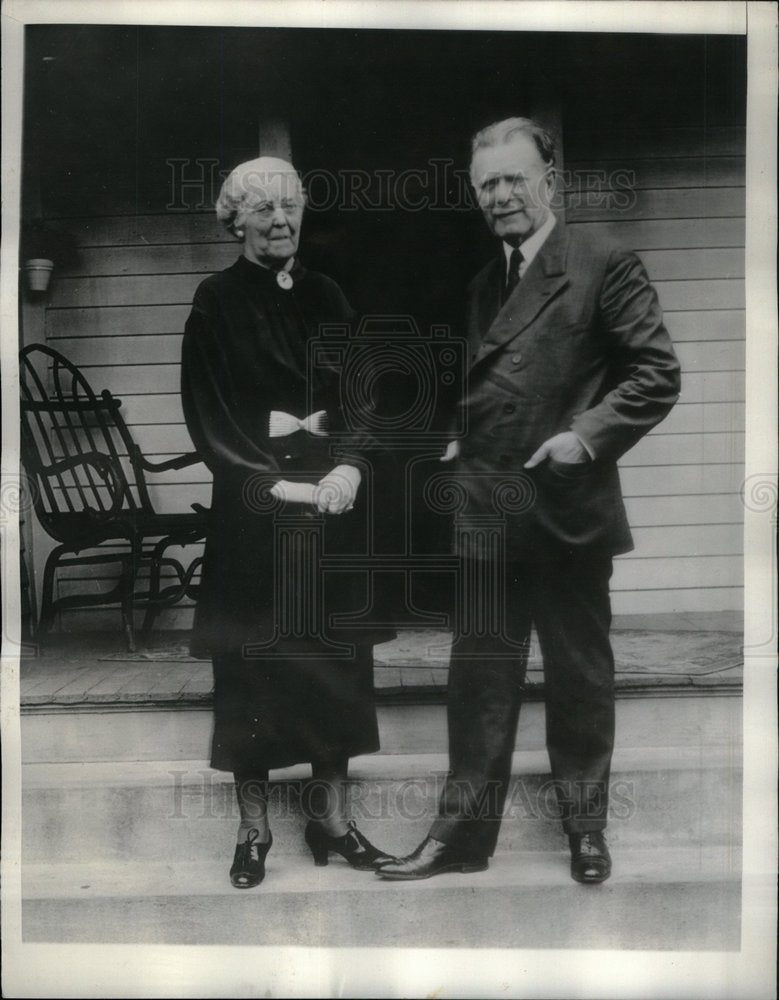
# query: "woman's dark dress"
x,y
245,354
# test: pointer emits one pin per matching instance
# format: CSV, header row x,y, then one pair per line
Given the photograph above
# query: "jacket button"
x,y
509,407
516,358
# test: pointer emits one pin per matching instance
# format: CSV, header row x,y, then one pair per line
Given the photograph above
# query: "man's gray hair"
x,y
504,131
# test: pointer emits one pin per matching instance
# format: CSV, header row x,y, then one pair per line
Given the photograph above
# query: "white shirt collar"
x,y
532,244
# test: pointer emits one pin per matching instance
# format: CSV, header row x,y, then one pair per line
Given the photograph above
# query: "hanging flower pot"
x,y
38,273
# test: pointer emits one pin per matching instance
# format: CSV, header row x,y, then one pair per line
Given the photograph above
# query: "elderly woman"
x,y
260,418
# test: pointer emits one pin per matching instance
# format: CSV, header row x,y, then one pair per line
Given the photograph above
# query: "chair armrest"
x,y
179,462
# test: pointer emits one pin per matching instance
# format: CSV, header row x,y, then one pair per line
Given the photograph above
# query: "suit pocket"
x,y
504,382
570,470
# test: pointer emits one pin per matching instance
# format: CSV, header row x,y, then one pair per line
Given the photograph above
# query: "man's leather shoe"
x,y
432,857
590,858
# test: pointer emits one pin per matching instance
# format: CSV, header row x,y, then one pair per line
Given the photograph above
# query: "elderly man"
x,y
570,366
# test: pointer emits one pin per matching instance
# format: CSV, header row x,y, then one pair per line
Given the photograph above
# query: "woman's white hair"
x,y
249,184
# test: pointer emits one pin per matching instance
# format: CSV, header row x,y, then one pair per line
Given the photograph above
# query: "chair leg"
x,y
47,597
127,585
152,605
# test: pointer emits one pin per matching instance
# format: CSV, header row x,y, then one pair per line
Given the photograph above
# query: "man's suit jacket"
x,y
579,345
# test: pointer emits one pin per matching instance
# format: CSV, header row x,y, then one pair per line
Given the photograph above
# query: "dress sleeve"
x,y
229,440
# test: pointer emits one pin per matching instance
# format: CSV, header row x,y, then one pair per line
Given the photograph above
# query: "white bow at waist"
x,y
281,424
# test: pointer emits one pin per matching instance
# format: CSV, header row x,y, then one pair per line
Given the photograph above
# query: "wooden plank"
x,y
660,234
127,378
641,172
127,290
164,408
165,289
638,573
706,324
146,230
670,480
174,499
637,481
624,601
163,439
97,620
152,350
703,417
714,387
685,449
713,140
661,203
718,508
188,228
690,309
705,263
121,321
689,540
202,258
711,356
720,293
630,602
99,577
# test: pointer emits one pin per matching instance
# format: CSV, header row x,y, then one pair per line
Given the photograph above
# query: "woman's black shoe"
x,y
249,862
359,852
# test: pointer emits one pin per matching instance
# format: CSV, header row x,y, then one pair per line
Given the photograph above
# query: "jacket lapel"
x,y
544,279
487,288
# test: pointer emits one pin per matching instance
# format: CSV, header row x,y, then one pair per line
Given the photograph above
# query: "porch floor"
x,y
677,653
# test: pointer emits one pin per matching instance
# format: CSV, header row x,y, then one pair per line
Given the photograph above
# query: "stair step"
x,y
163,810
680,898
184,734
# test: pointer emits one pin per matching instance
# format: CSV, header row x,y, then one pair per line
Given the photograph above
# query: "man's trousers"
x,y
567,600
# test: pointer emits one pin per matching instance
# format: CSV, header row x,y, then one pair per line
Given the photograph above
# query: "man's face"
x,y
271,219
514,188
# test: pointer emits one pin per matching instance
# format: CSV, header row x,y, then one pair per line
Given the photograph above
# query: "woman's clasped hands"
x,y
335,493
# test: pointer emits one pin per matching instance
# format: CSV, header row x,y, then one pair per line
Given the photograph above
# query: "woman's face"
x,y
271,221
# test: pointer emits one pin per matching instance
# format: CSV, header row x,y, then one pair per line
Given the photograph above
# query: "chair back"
x,y
76,445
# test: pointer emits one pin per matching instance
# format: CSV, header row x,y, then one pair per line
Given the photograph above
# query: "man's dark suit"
x,y
578,346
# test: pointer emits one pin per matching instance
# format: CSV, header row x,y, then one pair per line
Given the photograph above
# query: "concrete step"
x,y
162,811
677,899
145,733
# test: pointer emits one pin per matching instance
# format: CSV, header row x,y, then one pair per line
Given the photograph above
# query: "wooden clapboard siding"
x,y
676,197
656,172
628,147
119,313
674,600
684,509
662,203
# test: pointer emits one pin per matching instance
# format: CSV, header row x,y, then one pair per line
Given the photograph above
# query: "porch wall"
x,y
120,314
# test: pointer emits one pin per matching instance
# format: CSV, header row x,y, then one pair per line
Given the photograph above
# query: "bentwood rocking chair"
x,y
91,493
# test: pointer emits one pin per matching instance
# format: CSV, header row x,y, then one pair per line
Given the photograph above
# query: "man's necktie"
x,y
513,273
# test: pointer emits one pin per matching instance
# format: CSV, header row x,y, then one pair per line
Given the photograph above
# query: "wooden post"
x,y
274,138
